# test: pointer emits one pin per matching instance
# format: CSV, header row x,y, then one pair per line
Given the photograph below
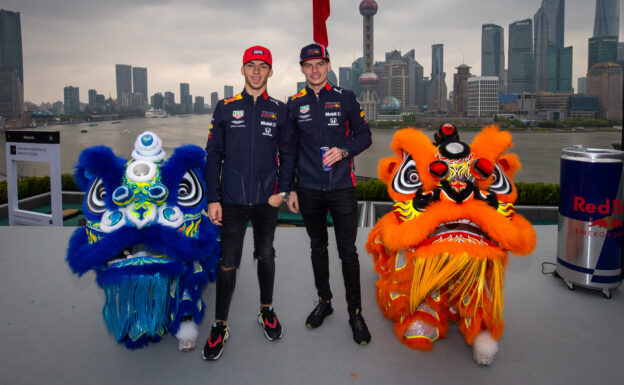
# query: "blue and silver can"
x,y
590,230
324,150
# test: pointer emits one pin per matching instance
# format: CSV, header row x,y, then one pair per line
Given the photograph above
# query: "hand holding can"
x,y
324,150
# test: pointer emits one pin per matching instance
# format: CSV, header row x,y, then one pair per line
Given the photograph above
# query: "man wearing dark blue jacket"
x,y
249,173
330,129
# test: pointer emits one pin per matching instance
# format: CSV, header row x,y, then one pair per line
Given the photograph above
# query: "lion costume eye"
x,y
96,197
501,184
190,191
406,180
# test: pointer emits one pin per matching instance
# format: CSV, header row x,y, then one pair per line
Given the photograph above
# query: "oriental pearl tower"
x,y
368,80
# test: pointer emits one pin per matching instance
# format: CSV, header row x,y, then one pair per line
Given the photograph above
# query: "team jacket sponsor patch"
x,y
304,109
237,114
268,115
332,104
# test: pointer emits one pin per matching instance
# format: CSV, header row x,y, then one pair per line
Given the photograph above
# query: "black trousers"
x,y
342,205
234,226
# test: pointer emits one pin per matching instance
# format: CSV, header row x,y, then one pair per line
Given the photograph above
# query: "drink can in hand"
x,y
324,150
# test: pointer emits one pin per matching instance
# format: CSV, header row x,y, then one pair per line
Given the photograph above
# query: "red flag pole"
x,y
320,13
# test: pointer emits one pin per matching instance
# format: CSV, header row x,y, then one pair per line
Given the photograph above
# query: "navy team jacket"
x,y
250,150
334,119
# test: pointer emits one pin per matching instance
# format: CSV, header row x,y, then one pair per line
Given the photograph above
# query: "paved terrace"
x,y
52,331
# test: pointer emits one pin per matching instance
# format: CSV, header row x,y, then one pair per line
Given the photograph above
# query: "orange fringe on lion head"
x,y
442,250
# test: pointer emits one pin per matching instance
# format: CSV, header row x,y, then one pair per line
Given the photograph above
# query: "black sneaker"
x,y
214,344
361,335
272,328
322,310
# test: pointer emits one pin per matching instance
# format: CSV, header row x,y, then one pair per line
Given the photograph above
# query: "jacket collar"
x,y
250,98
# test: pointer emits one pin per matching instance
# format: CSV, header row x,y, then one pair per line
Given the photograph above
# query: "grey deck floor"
x,y
51,330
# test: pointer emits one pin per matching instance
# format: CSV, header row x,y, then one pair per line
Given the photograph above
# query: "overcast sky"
x,y
201,42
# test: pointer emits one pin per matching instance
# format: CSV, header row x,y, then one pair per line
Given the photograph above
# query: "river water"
x,y
539,152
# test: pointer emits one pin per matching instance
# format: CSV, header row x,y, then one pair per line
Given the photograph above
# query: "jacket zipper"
x,y
251,158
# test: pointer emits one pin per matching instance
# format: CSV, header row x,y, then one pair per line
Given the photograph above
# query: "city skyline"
x,y
201,43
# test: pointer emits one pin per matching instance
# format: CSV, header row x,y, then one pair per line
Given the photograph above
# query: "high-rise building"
x,y
602,49
331,76
139,81
71,96
169,98
582,86
357,69
607,20
344,78
11,65
437,59
521,65
228,91
559,75
415,73
620,54
158,101
123,73
214,99
460,89
92,98
11,42
395,80
604,81
482,96
492,51
185,96
436,92
11,93
199,107
548,26
368,80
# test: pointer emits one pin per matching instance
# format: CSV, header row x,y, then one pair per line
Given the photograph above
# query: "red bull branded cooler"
x,y
591,233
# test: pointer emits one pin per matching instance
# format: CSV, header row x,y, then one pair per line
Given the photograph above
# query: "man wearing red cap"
x,y
331,130
249,173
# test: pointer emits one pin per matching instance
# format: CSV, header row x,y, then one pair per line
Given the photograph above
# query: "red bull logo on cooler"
x,y
608,207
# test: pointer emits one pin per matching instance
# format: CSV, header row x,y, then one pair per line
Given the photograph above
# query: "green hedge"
x,y
532,194
35,185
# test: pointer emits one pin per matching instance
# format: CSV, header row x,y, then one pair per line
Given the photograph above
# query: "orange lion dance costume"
x,y
441,252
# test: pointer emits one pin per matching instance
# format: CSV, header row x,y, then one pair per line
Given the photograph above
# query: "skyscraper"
x,y
602,49
123,74
11,65
460,89
604,81
368,80
11,93
395,80
344,78
139,81
548,27
415,73
437,60
357,69
492,51
521,64
214,99
559,75
482,95
436,93
607,20
228,91
11,42
92,98
71,96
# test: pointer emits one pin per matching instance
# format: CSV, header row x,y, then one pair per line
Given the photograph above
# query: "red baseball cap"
x,y
258,52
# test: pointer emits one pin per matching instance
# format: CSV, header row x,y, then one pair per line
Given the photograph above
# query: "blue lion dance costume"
x,y
147,239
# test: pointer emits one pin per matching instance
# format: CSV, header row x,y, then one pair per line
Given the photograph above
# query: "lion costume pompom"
x,y
441,252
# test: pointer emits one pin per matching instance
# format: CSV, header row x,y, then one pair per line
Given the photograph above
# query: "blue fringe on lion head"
x,y
147,237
